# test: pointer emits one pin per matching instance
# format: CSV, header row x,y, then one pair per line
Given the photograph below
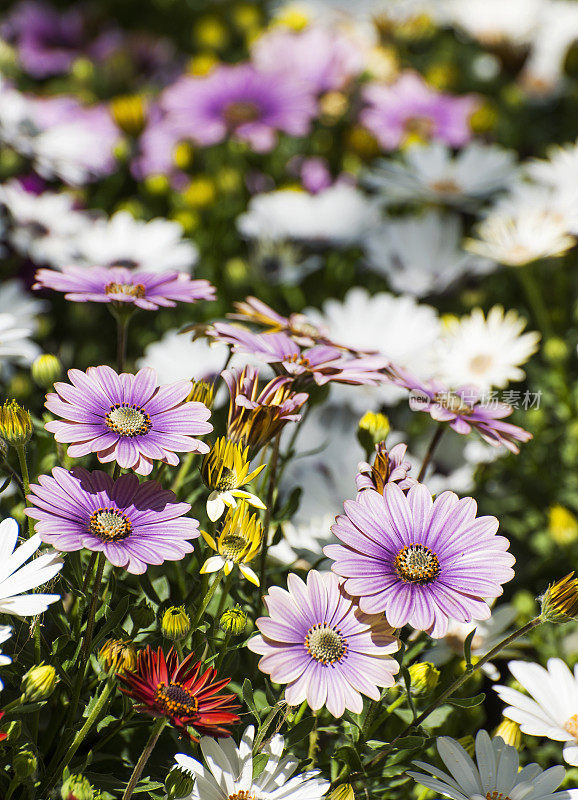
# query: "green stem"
x,y
535,300
312,751
439,432
269,510
122,317
183,471
206,600
223,650
145,755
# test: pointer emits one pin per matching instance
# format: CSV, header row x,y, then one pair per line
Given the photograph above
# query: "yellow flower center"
x,y
416,563
232,546
110,525
175,700
325,644
227,480
571,725
496,796
130,289
128,420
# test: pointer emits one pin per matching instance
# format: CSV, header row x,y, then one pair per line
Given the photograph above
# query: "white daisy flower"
x,y
5,633
18,323
484,351
154,246
494,21
496,774
17,125
229,772
16,579
558,30
552,708
422,255
373,324
340,215
559,170
434,174
176,357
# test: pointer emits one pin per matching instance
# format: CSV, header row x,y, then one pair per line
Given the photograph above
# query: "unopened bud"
x,y
130,113
203,392
24,764
175,623
509,731
117,655
45,370
560,600
77,787
372,429
233,621
178,783
343,792
142,615
468,743
562,525
424,677
39,682
15,424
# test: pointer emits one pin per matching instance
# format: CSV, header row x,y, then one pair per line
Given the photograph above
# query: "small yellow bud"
x,y
343,792
157,184
233,621
371,430
294,17
509,731
45,370
229,180
202,392
200,192
15,424
562,525
424,677
333,106
362,142
83,69
118,656
24,764
183,155
130,113
188,219
484,118
202,64
210,32
555,350
246,17
175,623
560,600
237,270
39,682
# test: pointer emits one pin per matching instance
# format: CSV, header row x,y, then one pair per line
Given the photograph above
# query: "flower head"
x,y
388,466
421,561
496,775
127,418
117,655
16,579
146,290
39,682
298,326
229,772
175,623
15,424
510,732
238,543
134,524
318,642
560,600
224,470
256,417
233,620
181,692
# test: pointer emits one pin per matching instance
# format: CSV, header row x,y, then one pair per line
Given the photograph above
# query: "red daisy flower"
x,y
165,688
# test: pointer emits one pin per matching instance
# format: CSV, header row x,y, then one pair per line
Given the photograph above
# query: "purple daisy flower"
x,y
127,418
146,290
242,102
421,561
463,409
134,524
322,363
318,642
410,107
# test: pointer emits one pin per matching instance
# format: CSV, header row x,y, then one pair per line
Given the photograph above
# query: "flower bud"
x,y
24,764
200,192
509,731
11,731
142,615
76,787
562,525
178,783
183,155
118,656
372,429
130,113
233,621
560,600
555,350
424,677
202,392
45,370
175,623
39,682
343,792
15,424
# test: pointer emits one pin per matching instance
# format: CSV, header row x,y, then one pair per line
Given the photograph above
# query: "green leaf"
x,y
467,702
410,742
348,755
301,730
259,763
468,647
104,722
249,699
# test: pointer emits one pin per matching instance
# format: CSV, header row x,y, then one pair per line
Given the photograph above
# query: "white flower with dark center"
x,y
552,708
340,215
122,240
5,633
228,774
484,351
16,579
422,255
373,324
495,776
433,173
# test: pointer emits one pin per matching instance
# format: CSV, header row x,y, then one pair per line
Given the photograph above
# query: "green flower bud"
x,y
24,764
424,677
560,600
371,430
117,655
39,682
175,623
15,424
45,370
555,350
142,615
76,787
233,621
178,783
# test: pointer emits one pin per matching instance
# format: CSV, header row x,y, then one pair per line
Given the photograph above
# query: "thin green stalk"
x,y
183,471
224,594
313,747
206,600
439,432
122,317
535,300
145,755
21,452
269,510
223,650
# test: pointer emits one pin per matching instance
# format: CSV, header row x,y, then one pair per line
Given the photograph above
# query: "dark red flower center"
x,y
416,563
240,113
130,289
325,643
127,420
176,700
110,525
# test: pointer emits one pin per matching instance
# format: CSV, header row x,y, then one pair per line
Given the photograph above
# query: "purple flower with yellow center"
x,y
410,110
320,363
463,409
318,642
241,102
134,524
146,290
420,561
127,418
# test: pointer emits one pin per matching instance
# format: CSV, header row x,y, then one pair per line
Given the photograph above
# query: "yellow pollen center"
x,y
496,796
445,186
129,289
242,795
571,725
176,700
240,113
227,480
128,420
416,563
110,525
232,546
325,644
